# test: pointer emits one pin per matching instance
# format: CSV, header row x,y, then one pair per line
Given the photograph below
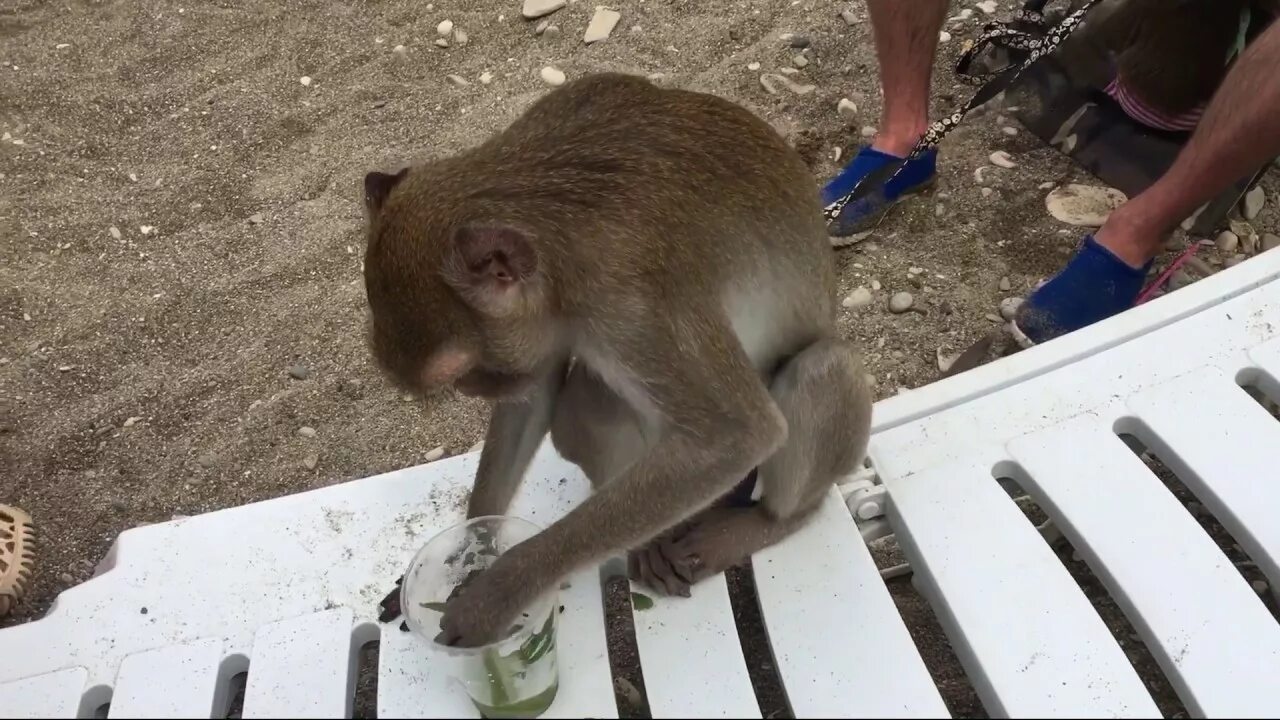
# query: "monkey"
x,y
643,273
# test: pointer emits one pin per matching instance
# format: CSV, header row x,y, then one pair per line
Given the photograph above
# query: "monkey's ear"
x,y
494,257
377,186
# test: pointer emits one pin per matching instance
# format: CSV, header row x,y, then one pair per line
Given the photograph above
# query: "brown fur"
x,y
642,272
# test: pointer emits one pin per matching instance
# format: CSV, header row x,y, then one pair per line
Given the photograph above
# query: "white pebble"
x,y
61,46
849,17
434,454
133,177
1228,241
846,108
552,76
875,284
1010,131
939,209
1009,307
460,37
307,431
800,61
444,28
541,27
537,8
987,6
987,192
115,232
1253,202
486,78
601,25
1001,158
130,422
458,80
944,36
400,50
1047,185
901,302
859,298
441,42
868,131
1005,285
305,80
146,229
753,66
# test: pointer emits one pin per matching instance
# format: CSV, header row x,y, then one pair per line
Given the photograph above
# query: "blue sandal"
x,y
1094,285
866,213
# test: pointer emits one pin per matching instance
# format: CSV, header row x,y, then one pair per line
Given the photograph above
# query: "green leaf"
x,y
640,601
437,606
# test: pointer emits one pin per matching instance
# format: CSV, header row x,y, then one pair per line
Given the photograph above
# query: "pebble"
x,y
944,36
1260,586
434,454
1047,185
131,421
115,232
1234,260
207,459
400,50
486,78
1227,241
552,32
445,28
1005,285
66,578
1010,131
868,131
770,82
1001,158
987,6
800,61
901,302
441,42
306,431
875,284
1270,241
849,17
541,27
628,691
753,66
939,209
459,81
305,80
1083,205
1253,202
859,298
847,108
310,461
552,76
537,8
789,71
987,192
299,372
602,24
146,229
993,317
1009,307
133,177
255,219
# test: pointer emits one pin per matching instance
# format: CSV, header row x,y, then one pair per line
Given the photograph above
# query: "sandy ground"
x,y
181,226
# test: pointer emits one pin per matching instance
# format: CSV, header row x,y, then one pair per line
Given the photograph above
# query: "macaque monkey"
x,y
643,273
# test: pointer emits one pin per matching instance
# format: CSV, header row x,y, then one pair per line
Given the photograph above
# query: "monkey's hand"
x,y
489,604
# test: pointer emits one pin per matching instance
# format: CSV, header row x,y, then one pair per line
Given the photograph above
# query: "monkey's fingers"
x,y
681,563
664,571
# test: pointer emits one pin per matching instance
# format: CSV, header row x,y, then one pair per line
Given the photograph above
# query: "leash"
x,y
1025,35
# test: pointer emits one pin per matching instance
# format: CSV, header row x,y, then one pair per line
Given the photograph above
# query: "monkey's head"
x,y
455,298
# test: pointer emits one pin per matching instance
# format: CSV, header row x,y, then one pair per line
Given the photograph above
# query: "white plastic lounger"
x,y
288,588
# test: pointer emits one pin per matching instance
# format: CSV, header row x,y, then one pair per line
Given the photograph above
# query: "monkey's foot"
x,y
1094,285
662,566
866,213
17,555
709,544
390,605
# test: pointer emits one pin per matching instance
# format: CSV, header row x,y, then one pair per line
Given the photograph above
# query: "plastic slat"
x,y
178,681
691,656
1030,641
303,667
862,662
1204,624
1225,451
52,695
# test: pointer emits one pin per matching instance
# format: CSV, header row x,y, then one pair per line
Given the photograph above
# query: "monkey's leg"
x,y
825,398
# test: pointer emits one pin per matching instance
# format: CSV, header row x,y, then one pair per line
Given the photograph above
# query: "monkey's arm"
x,y
719,423
516,429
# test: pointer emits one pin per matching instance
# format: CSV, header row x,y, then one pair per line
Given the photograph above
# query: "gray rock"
x,y
299,372
434,454
541,27
307,431
552,32
459,81
901,302
848,17
537,8
1005,285
1253,202
1227,241
207,459
552,76
601,25
460,37
859,298
1009,307
993,317
800,61
310,461
66,578
255,219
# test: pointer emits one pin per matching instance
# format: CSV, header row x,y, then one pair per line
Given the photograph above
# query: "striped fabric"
x,y
1137,109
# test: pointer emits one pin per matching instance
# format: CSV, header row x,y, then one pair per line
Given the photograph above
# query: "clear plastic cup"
x,y
515,677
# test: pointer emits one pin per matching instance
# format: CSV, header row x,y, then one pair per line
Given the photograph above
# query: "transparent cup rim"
x,y
541,607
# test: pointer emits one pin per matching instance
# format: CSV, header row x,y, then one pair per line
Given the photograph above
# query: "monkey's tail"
x,y
17,556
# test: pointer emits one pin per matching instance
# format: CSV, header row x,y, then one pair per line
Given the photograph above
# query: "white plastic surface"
x,y
182,602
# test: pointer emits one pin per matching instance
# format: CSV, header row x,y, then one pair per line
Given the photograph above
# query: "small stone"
x,y
987,6
847,108
800,61
115,232
1253,202
445,28
770,82
1234,260
627,691
146,229
1180,279
534,9
944,36
753,66
305,80
458,80
306,431
434,454
901,302
460,37
602,24
1270,241
207,459
442,42
993,317
868,131
66,578
1001,158
1047,185
1005,285
130,422
1260,586
859,298
552,32
875,284
789,71
1227,242
1083,205
987,192
541,27
1010,131
552,76
299,372
848,17
913,270
310,461
486,78
400,50
255,219
1009,307
133,177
